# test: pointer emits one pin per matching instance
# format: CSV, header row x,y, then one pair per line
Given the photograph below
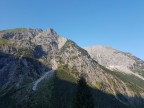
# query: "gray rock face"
x,y
25,54
27,44
114,59
20,34
109,57
16,71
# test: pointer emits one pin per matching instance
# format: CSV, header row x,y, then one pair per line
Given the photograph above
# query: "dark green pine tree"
x,y
83,97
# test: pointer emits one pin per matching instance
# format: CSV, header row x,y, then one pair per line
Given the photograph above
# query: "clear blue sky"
x,y
116,23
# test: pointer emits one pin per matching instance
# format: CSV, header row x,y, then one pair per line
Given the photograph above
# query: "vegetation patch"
x,y
65,84
99,85
25,52
17,30
4,42
65,73
44,96
132,81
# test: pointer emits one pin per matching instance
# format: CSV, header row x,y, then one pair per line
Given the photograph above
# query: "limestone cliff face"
x,y
117,60
26,54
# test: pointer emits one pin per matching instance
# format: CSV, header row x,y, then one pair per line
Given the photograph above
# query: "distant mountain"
x,y
117,60
39,69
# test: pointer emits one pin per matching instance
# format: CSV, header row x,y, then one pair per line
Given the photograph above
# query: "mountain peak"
x,y
113,59
50,31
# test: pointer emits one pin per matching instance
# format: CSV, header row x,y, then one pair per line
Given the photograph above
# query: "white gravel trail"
x,y
46,75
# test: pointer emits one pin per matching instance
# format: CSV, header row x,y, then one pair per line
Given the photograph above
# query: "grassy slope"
x,y
59,91
4,41
55,92
17,30
134,83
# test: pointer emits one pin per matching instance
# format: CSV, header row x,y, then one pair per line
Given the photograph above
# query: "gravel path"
x,y
46,75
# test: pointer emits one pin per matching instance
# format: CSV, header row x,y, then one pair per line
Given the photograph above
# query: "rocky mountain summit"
x,y
117,60
28,55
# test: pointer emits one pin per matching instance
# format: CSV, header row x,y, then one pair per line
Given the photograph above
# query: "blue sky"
x,y
115,23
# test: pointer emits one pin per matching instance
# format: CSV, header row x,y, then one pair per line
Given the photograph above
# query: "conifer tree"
x,y
83,97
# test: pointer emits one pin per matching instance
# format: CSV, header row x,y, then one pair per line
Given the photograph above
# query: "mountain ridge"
x,y
34,52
